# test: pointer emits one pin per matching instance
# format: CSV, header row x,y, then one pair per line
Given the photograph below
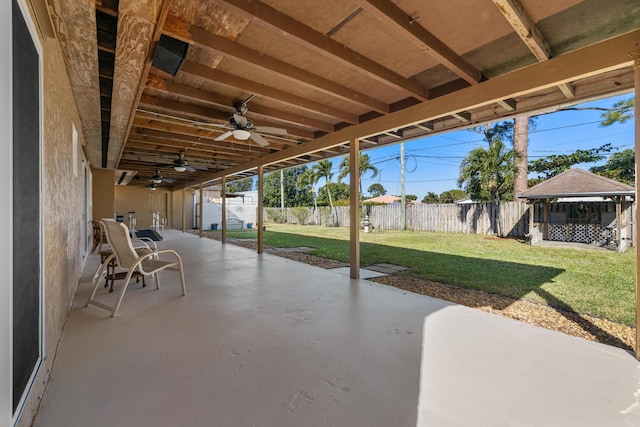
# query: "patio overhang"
x,y
324,81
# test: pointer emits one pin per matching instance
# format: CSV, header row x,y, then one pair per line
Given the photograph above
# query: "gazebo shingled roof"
x,y
577,183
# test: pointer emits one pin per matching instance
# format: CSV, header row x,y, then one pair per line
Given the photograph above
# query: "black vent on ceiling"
x,y
170,54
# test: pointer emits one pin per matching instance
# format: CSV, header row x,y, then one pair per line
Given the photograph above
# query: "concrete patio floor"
x,y
264,341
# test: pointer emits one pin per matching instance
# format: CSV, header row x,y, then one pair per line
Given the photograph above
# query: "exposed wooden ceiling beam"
x,y
255,59
527,30
176,144
507,104
462,116
228,147
524,26
323,44
209,114
609,55
425,126
392,16
169,86
221,77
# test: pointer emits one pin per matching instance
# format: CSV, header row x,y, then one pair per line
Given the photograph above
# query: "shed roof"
x,y
577,183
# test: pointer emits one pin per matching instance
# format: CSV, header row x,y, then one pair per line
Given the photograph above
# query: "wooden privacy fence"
x,y
503,219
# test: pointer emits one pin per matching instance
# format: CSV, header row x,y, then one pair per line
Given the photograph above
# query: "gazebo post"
x,y
545,219
618,225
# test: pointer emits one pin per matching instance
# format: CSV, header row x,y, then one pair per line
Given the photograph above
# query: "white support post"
x,y
354,207
223,220
184,211
201,210
636,69
260,216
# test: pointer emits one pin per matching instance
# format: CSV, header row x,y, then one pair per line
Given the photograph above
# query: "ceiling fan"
x,y
181,165
157,179
241,128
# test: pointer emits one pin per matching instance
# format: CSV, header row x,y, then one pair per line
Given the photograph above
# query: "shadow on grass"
x,y
509,279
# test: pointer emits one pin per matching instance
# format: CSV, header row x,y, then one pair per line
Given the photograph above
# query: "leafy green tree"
x,y
306,182
376,190
555,164
431,197
365,166
410,197
245,184
323,170
340,192
488,174
451,196
620,166
293,196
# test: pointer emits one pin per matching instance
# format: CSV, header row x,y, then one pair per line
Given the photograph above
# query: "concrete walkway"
x,y
264,341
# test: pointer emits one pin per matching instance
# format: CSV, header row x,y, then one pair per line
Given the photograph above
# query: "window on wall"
x,y
27,334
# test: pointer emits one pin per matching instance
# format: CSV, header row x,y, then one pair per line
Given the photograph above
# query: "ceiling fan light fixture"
x,y
180,168
153,187
241,134
156,180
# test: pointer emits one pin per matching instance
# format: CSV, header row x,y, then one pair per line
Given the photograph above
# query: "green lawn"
x,y
600,283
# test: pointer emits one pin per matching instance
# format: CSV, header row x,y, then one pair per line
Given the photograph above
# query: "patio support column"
x,y
200,209
636,69
260,213
223,219
184,210
354,207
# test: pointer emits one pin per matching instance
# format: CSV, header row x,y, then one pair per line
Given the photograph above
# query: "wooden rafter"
x,y
221,101
527,30
325,45
394,17
252,58
209,114
221,77
608,55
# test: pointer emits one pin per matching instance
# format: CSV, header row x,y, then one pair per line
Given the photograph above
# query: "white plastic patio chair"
x,y
146,263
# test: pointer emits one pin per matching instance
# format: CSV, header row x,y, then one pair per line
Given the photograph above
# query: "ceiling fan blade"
x,y
241,121
168,180
258,139
223,136
190,169
269,129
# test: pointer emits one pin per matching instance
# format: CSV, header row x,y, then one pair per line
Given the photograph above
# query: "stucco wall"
x,y
62,204
103,193
176,209
138,200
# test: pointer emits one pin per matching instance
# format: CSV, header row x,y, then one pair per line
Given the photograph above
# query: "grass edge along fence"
x,y
504,219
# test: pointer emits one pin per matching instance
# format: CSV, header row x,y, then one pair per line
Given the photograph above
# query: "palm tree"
x,y
364,166
307,181
488,174
322,169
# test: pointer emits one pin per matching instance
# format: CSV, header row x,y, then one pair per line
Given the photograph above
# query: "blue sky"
x,y
433,162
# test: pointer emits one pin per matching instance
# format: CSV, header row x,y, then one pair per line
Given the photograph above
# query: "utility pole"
x,y
403,199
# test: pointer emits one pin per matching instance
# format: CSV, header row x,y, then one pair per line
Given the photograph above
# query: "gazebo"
x,y
581,207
